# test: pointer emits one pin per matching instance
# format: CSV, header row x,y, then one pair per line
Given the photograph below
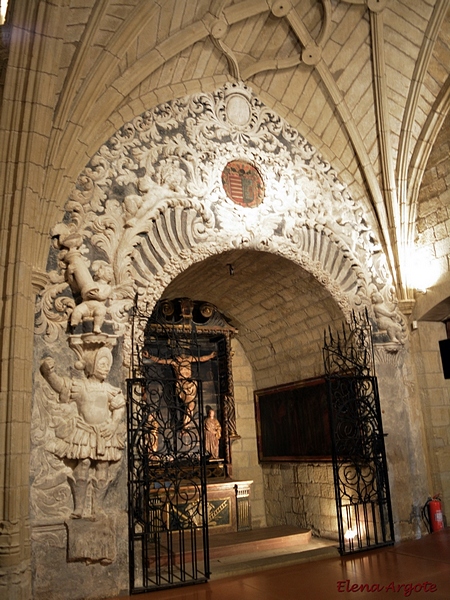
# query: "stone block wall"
x,y
433,222
298,494
301,495
244,450
434,393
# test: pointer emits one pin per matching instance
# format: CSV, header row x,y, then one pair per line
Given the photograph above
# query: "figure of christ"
x,y
91,438
186,386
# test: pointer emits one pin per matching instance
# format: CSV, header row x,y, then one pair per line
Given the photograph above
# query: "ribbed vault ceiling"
x,y
365,81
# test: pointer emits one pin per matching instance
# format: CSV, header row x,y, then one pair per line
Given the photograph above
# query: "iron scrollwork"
x,y
176,352
358,450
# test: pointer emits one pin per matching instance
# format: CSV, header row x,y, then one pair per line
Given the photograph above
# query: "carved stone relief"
x,y
78,441
148,205
88,438
151,202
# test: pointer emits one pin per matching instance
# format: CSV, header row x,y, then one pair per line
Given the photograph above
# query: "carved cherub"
x,y
388,320
94,300
94,292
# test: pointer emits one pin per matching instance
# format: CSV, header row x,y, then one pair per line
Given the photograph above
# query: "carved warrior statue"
x,y
93,439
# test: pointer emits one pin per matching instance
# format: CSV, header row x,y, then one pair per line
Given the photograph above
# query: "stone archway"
x,y
150,204
280,311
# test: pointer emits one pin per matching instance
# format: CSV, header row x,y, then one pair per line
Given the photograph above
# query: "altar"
x,y
229,506
181,426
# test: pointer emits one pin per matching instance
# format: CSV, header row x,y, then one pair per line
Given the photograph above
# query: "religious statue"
x,y
213,432
186,386
151,436
92,439
94,300
93,293
388,320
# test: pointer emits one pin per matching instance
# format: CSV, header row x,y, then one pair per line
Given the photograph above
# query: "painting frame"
x,y
293,422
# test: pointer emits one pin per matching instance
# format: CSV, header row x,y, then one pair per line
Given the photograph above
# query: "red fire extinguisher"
x,y
434,518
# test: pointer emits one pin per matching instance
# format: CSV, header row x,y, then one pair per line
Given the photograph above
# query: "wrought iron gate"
x,y
168,530
359,459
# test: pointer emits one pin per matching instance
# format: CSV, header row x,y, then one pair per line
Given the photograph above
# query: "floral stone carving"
x,y
151,202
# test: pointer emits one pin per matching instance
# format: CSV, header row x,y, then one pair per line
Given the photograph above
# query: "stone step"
x,y
251,551
268,548
257,540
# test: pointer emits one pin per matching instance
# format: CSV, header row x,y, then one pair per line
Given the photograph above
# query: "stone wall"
x,y
435,401
301,495
244,450
297,494
433,222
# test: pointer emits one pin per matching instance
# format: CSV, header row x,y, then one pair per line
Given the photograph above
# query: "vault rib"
x,y
96,81
352,131
422,151
385,142
420,72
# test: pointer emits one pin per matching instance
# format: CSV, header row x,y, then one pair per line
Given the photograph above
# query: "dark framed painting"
x,y
293,422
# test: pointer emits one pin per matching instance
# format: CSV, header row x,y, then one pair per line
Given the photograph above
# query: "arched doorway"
x,y
151,218
281,313
181,421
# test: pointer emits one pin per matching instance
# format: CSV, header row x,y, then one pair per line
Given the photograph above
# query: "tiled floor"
x,y
414,569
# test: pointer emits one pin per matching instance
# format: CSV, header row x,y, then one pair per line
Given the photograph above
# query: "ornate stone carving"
x,y
92,290
148,205
151,202
92,542
388,320
389,353
90,436
53,535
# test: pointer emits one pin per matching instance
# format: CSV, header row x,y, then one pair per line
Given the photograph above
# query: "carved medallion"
x,y
243,184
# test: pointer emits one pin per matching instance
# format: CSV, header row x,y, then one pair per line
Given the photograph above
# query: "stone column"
x,y
26,111
15,418
405,443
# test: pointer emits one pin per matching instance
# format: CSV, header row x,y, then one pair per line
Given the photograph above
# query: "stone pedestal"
x,y
91,541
